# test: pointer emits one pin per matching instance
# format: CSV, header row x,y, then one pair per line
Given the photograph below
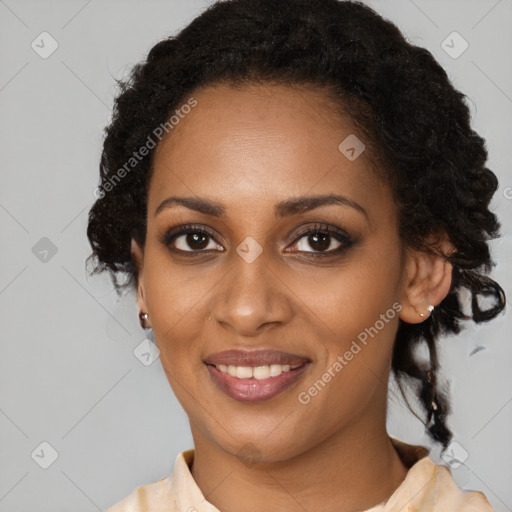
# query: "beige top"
x,y
427,487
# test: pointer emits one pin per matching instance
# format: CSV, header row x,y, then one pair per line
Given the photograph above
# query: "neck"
x,y
353,470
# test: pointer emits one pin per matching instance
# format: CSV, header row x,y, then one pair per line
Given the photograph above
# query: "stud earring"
x,y
143,318
430,308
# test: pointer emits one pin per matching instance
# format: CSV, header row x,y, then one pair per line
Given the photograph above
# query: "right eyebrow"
x,y
201,205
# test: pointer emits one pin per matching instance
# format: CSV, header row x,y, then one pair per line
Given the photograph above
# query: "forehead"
x,y
262,141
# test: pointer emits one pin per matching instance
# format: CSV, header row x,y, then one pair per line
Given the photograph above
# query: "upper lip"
x,y
254,358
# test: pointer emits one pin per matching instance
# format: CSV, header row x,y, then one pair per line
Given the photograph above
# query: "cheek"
x,y
177,300
349,298
175,289
357,361
356,308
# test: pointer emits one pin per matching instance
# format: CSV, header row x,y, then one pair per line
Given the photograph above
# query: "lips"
x,y
254,358
255,376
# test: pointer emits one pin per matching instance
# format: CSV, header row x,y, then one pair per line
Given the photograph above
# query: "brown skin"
x,y
248,149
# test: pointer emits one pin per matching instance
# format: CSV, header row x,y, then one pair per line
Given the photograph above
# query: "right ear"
x,y
137,253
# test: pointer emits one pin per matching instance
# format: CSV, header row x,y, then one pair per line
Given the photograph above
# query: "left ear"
x,y
428,281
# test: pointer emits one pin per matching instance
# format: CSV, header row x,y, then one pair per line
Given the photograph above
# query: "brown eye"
x,y
193,240
323,240
318,242
190,239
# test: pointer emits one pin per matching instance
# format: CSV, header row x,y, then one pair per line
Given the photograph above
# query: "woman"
x,y
298,197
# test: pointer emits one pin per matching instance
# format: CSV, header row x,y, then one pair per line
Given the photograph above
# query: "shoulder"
x,y
165,495
431,487
152,497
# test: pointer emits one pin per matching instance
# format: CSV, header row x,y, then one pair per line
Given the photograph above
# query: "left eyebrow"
x,y
305,203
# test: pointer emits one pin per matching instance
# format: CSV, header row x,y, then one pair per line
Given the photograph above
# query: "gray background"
x,y
68,373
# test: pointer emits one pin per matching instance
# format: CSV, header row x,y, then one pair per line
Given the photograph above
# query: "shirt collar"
x,y
187,494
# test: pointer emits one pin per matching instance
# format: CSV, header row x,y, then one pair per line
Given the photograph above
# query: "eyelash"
x,y
341,236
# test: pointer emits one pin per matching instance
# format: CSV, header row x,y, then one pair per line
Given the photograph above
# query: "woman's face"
x,y
255,284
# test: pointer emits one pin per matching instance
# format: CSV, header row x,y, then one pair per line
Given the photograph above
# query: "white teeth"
x,y
261,372
258,372
244,372
275,370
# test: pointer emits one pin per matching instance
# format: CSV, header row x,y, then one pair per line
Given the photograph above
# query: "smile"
x,y
257,375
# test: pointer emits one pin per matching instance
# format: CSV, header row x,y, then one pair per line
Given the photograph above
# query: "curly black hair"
x,y
395,92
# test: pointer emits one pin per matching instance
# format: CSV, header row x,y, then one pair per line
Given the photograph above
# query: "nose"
x,y
252,298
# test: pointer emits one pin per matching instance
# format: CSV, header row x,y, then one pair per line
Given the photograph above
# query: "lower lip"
x,y
255,390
